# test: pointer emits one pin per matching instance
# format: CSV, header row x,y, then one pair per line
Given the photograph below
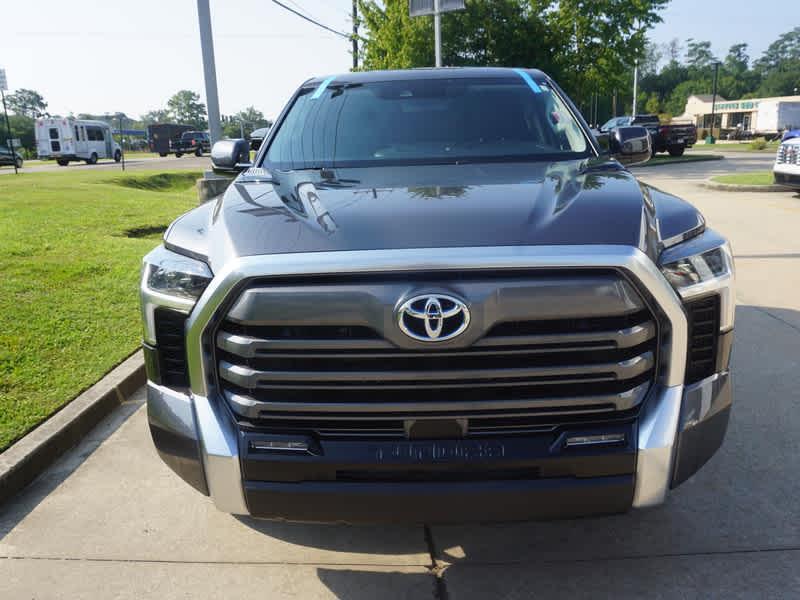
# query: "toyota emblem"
x,y
433,317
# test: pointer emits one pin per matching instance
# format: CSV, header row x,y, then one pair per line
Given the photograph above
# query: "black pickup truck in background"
x,y
162,137
666,138
192,142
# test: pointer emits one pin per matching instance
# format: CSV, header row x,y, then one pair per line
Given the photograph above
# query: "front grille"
x,y
788,154
703,320
171,343
350,380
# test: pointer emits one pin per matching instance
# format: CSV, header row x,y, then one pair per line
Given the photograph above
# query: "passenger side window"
x,y
77,134
100,135
53,133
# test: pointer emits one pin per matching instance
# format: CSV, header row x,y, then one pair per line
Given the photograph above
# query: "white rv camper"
x,y
67,139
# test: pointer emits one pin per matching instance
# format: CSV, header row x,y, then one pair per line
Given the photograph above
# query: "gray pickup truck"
x,y
664,138
436,296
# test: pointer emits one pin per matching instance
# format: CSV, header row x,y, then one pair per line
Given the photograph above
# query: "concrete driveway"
x,y
110,521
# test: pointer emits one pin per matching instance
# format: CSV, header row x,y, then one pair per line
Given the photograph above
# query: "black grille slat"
x,y
703,319
171,342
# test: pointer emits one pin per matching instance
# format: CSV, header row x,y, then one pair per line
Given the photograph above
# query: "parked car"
x,y
162,137
786,170
192,142
6,157
67,140
666,138
257,137
436,298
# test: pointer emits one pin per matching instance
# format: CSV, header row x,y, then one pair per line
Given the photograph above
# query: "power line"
x,y
310,20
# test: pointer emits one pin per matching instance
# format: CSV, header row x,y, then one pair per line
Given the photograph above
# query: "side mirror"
x,y
630,145
230,155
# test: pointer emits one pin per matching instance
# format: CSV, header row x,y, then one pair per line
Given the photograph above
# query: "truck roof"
x,y
426,73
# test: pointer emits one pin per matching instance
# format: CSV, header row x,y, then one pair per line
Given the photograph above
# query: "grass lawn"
x,y
737,147
748,178
69,271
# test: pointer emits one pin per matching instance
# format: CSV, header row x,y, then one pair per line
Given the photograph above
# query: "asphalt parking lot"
x,y
111,521
188,162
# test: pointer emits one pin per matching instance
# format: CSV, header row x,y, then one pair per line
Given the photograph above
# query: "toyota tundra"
x,y
434,295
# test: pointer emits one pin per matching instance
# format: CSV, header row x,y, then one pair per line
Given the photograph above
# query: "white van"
x,y
67,139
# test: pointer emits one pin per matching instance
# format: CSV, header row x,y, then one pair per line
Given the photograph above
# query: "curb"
x,y
680,160
733,187
27,458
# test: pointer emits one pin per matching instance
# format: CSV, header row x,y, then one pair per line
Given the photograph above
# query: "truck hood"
x,y
567,202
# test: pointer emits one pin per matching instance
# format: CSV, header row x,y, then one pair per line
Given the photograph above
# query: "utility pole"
x,y
3,88
355,35
714,100
121,140
635,84
437,32
209,70
10,139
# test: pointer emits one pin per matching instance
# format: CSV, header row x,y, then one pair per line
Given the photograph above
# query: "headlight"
x,y
687,272
701,266
170,280
178,276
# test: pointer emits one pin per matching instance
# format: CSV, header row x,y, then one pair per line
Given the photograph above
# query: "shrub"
x,y
758,144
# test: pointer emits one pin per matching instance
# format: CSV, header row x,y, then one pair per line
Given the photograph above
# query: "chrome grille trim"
x,y
251,346
629,259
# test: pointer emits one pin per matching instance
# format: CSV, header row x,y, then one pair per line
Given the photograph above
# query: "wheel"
x,y
178,154
199,151
62,163
117,156
92,160
676,150
162,154
18,162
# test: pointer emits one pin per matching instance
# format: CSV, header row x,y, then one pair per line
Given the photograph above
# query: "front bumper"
x,y
787,174
677,431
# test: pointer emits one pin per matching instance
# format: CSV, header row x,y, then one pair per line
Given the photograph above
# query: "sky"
x,y
105,56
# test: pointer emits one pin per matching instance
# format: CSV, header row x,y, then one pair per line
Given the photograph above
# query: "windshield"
x,y
427,121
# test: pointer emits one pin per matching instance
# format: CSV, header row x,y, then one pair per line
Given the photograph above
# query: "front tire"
x,y
676,150
178,154
62,163
92,160
199,151
117,156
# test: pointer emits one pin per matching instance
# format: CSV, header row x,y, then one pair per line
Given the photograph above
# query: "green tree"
x,y
187,109
653,104
245,121
28,103
785,49
699,55
589,46
158,115
22,128
394,40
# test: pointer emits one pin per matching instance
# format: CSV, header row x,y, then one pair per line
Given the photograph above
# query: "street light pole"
x,y
635,84
714,100
355,35
209,70
121,141
8,129
437,32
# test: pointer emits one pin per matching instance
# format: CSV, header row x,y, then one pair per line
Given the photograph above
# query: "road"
x,y
188,162
110,521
